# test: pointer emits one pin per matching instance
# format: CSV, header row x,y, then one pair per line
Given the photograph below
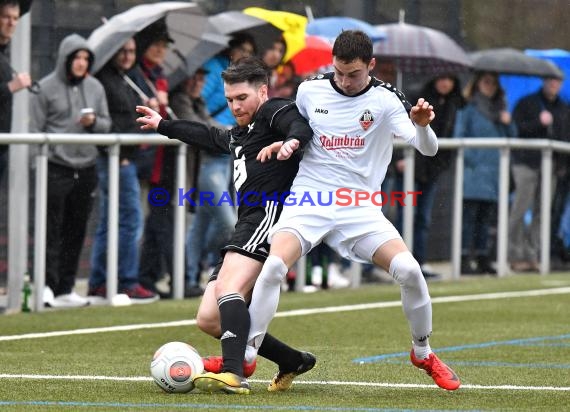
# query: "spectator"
x,y
541,114
121,99
273,57
287,81
212,225
69,101
444,94
156,165
241,45
10,82
485,115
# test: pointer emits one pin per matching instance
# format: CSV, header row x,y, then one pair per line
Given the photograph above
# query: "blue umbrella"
x,y
331,27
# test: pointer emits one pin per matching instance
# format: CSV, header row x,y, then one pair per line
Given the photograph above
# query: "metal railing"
x,y
504,145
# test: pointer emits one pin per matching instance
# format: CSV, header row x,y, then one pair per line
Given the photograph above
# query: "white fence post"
x,y
113,222
40,225
503,212
179,229
457,220
545,210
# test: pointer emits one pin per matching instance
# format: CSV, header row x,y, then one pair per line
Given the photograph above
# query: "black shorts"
x,y
250,234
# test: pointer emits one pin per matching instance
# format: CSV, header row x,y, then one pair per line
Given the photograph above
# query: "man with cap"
x,y
156,165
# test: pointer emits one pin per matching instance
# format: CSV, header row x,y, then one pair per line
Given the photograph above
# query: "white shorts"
x,y
354,232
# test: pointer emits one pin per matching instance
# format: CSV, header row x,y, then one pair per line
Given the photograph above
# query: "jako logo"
x,y
323,111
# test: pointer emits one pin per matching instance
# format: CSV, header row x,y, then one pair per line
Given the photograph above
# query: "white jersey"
x,y
353,135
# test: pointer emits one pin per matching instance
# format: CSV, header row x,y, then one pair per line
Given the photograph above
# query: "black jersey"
x,y
255,182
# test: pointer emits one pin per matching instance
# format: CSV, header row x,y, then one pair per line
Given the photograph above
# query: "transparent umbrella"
x,y
185,22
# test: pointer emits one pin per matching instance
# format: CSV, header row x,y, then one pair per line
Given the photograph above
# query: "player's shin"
x,y
265,299
416,301
235,324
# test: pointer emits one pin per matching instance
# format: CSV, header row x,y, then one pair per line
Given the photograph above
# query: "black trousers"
x,y
71,193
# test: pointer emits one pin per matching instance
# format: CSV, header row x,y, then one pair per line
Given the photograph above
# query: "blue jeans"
x,y
212,225
422,215
130,227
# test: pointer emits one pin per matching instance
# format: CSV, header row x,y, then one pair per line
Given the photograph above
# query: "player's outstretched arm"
x,y
422,113
266,153
283,150
287,149
149,119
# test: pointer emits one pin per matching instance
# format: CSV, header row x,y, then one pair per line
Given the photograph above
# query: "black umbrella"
x,y
512,61
233,22
419,49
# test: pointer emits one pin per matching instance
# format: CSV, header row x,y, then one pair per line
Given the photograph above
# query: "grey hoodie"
x,y
56,109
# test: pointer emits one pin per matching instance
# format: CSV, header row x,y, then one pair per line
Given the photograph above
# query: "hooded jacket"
x,y
57,108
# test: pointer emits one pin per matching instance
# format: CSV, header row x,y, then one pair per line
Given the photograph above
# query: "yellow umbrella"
x,y
293,27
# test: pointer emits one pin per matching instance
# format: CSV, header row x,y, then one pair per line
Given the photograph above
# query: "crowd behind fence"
x,y
40,164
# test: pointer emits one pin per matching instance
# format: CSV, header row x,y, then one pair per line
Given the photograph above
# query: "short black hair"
x,y
238,39
351,45
10,3
248,69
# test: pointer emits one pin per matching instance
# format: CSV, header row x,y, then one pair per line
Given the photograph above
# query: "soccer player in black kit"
x,y
223,311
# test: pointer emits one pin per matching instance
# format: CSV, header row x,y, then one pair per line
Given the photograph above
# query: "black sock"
x,y
276,351
235,323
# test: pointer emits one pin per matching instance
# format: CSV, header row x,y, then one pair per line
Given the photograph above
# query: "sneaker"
x,y
222,382
68,300
193,291
335,278
97,295
99,291
442,375
139,294
283,380
317,275
48,296
215,364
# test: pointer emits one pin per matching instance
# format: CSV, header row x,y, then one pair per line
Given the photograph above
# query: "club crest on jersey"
x,y
366,119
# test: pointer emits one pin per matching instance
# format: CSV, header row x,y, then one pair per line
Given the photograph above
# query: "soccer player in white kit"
x,y
355,118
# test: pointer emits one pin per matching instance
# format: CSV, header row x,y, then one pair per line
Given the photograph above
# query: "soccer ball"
x,y
174,366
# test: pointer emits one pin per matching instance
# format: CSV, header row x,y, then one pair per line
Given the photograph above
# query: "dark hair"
x,y
240,38
472,85
249,69
157,31
351,45
11,3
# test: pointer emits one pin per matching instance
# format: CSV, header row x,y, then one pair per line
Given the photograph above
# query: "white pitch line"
x,y
298,312
335,383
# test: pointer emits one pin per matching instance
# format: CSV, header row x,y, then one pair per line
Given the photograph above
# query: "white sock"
x,y
250,353
422,352
265,299
416,301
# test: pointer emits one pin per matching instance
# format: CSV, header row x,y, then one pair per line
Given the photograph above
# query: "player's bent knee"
x,y
209,324
405,269
274,270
